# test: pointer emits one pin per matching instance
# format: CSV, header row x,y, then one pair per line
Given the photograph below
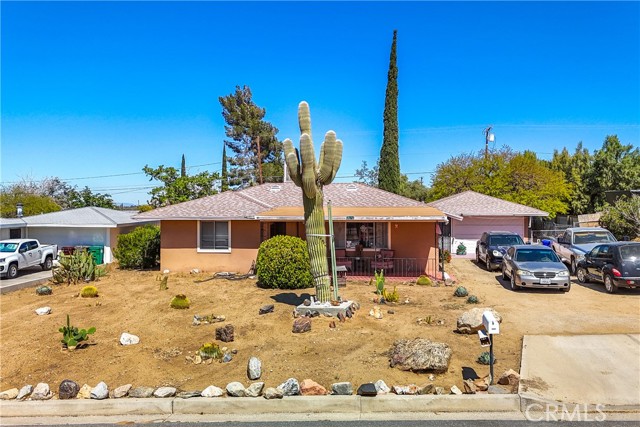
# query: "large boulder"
x,y
419,355
470,321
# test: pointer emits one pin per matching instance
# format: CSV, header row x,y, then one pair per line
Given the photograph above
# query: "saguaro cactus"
x,y
311,177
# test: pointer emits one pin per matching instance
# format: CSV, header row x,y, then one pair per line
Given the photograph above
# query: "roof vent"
x,y
275,188
352,187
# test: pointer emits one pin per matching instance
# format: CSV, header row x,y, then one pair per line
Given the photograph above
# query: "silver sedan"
x,y
535,266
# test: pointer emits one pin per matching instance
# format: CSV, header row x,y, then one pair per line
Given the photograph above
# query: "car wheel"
x,y
12,273
487,263
504,274
582,275
574,265
48,263
608,284
514,287
477,257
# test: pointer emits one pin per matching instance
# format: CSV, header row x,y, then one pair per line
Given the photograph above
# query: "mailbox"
x,y
490,323
485,340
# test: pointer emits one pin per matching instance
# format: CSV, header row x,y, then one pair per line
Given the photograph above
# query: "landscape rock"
x,y
266,309
210,318
290,387
212,391
509,377
341,317
195,271
376,312
439,390
495,389
141,392
24,392
226,358
455,390
426,389
410,389
101,391
254,368
273,393
68,389
165,392
301,325
188,394
235,389
470,321
10,394
121,391
85,392
166,271
342,388
469,387
42,311
481,384
129,339
225,334
420,355
381,387
254,390
367,389
309,387
41,392
306,302
332,324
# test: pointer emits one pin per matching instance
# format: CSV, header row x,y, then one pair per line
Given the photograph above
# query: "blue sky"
x,y
94,89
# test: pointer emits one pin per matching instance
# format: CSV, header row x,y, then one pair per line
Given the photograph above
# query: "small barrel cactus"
x,y
485,359
473,299
89,292
424,281
180,301
44,290
461,291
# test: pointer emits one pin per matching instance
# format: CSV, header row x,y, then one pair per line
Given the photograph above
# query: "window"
x,y
367,234
214,235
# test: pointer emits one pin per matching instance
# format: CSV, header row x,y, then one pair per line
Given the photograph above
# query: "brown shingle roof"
x,y
470,203
255,201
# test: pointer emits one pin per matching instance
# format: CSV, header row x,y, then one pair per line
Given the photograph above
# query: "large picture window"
x,y
214,235
367,234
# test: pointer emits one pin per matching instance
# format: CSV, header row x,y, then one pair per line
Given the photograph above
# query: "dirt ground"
x,y
354,351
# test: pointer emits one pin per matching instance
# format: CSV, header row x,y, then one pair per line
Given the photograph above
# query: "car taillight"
x,y
616,272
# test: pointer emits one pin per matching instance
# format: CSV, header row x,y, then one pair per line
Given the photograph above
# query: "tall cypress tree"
x,y
389,172
183,167
225,177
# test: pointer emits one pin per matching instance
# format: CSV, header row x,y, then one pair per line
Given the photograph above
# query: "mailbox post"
x,y
491,328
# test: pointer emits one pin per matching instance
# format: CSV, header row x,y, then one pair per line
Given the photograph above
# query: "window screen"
x,y
214,235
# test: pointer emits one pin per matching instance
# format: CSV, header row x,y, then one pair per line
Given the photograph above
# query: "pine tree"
x,y
183,167
225,178
389,173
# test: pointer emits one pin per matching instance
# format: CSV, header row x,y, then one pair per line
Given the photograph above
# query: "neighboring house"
x,y
89,226
223,232
472,213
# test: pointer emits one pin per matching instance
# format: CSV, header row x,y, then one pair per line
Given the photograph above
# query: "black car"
x,y
492,246
615,264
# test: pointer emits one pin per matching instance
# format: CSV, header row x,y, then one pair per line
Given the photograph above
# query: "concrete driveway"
x,y
582,369
28,277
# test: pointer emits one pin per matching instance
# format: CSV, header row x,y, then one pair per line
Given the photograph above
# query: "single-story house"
x,y
471,214
88,226
223,232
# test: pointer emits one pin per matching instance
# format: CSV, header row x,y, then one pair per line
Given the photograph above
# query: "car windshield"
x,y
507,240
630,252
584,238
536,255
8,247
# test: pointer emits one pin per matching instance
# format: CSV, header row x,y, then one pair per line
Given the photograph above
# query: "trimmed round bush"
x,y
424,281
180,302
139,248
283,263
89,292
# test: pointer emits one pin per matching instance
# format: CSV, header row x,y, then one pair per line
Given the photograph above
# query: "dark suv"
x,y
616,264
492,246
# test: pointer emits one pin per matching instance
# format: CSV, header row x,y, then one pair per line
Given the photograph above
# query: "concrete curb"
x,y
21,285
251,406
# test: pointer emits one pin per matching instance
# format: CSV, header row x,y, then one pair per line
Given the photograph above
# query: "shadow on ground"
x,y
290,298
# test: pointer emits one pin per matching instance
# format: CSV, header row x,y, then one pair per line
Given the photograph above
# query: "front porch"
x,y
364,267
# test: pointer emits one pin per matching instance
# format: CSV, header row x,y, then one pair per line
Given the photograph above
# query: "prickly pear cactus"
x,y
311,176
461,291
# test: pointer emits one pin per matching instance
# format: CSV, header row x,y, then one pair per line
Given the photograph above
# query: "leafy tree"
x,y
415,189
623,218
177,188
257,151
615,167
366,175
224,186
389,172
32,204
576,169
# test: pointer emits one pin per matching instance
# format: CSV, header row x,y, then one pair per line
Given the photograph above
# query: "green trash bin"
x,y
97,252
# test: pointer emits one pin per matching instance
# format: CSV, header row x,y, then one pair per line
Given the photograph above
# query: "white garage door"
x,y
471,228
69,236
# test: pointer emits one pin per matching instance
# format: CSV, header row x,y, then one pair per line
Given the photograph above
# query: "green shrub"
x,y
473,299
72,336
180,302
461,291
79,266
89,292
210,351
424,281
139,248
283,263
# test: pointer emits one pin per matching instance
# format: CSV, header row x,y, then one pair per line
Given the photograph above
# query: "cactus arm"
x,y
327,153
337,160
291,156
304,118
308,166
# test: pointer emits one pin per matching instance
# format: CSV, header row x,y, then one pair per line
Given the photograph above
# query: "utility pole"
x,y
488,137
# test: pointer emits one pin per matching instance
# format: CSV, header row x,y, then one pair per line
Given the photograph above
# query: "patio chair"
x,y
342,260
383,260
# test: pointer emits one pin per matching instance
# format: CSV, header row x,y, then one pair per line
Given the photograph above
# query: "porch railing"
x,y
393,267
